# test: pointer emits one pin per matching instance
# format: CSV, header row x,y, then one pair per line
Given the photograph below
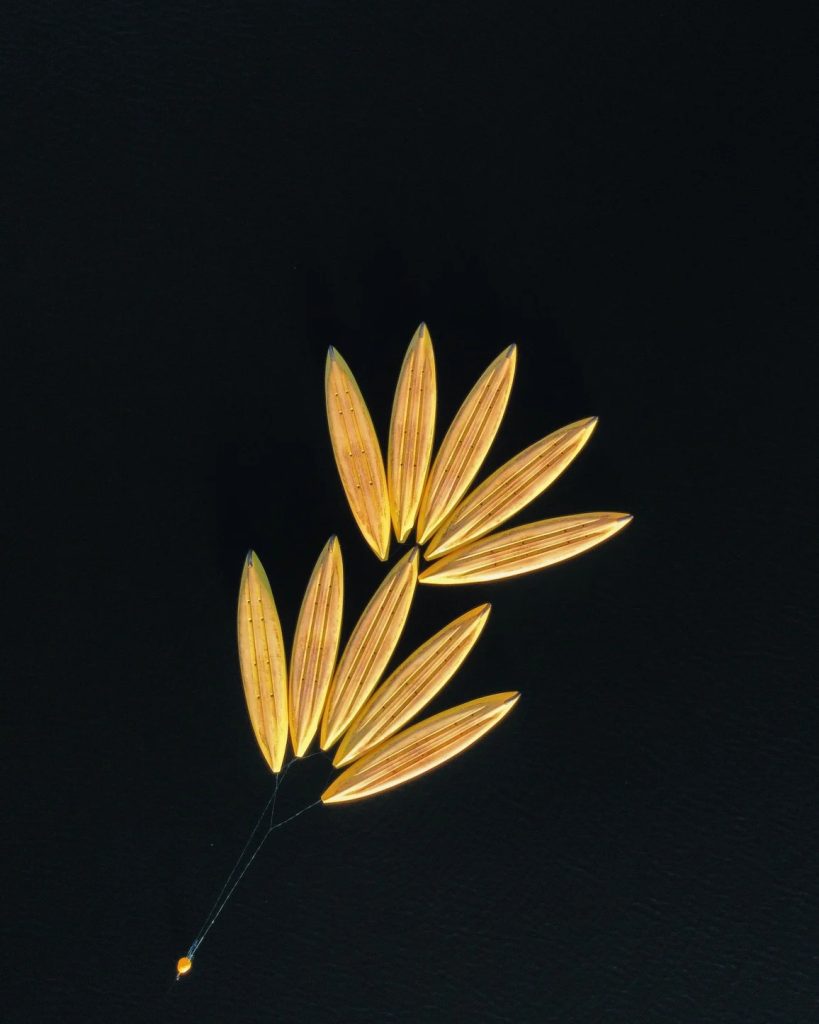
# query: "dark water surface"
x,y
197,201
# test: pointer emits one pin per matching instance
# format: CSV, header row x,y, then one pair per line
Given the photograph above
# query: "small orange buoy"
x,y
183,965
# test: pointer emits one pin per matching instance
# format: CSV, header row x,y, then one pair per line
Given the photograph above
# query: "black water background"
x,y
197,201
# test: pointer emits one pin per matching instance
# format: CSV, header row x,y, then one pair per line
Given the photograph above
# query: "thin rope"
x,y
243,861
198,942
270,805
